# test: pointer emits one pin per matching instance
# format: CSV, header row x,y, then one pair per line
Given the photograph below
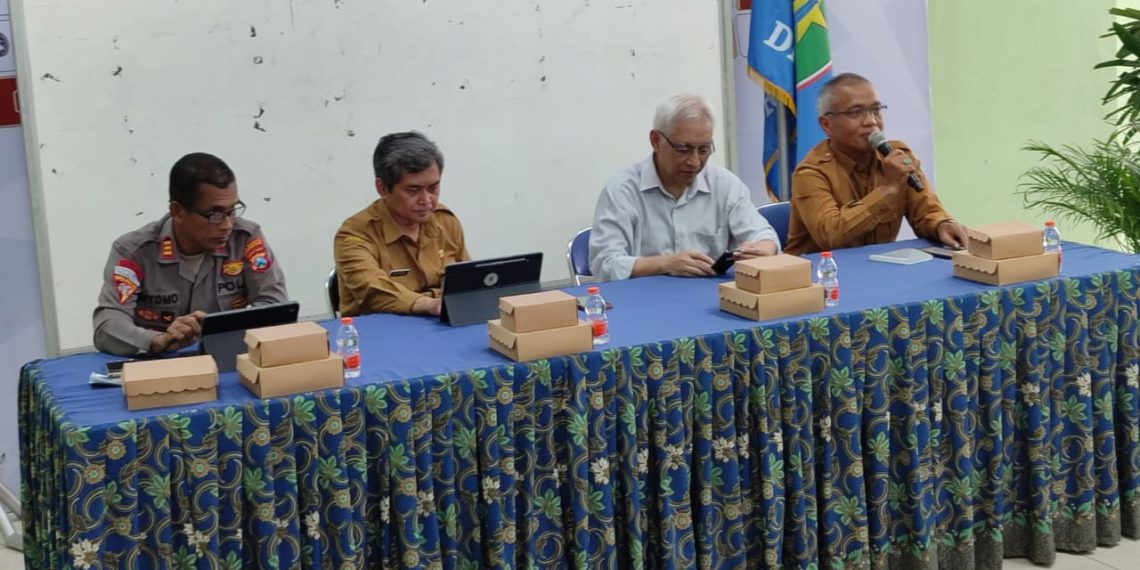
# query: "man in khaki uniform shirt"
x,y
844,194
161,279
390,255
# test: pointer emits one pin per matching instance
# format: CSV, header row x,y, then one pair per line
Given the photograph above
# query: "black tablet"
x,y
471,289
223,334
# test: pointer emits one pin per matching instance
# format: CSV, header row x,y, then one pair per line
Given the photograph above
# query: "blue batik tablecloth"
x,y
926,421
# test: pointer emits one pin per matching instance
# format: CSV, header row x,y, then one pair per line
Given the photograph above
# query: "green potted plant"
x,y
1100,184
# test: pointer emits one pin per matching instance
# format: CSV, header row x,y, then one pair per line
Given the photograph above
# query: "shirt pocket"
x,y
712,242
231,293
405,276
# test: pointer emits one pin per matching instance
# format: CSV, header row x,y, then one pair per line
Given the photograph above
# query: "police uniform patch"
x,y
147,314
167,248
127,276
257,256
232,267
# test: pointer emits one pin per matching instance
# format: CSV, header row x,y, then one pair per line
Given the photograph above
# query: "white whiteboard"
x,y
533,103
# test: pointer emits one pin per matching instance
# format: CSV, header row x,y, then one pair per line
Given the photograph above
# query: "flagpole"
x,y
784,192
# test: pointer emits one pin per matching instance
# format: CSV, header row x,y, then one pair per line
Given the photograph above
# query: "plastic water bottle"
x,y
596,314
1053,241
828,274
348,347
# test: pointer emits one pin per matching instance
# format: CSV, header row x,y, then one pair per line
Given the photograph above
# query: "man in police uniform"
x,y
390,255
202,257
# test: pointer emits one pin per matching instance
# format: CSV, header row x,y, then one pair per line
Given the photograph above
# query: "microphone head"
x,y
879,142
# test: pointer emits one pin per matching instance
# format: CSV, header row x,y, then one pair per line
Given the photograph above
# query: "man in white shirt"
x,y
673,213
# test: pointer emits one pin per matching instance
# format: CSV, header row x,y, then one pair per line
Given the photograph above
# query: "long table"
x,y
926,421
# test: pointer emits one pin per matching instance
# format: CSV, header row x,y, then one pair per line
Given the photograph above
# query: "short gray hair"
x,y
398,154
827,92
682,107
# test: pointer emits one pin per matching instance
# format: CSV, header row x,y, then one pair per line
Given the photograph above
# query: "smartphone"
x,y
723,262
940,251
115,367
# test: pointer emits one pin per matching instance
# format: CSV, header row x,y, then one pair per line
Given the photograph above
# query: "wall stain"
x,y
118,71
51,77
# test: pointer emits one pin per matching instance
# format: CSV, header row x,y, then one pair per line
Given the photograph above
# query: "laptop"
x,y
471,289
223,334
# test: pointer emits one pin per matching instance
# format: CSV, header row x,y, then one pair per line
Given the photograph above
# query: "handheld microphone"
x,y
880,143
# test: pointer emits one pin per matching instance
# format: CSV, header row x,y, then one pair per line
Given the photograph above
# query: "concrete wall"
x,y
1002,74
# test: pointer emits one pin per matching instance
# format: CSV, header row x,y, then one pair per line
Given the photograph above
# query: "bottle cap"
x,y
825,255
1049,224
346,320
592,291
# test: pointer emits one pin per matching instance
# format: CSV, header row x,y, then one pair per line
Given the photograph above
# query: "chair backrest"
x,y
578,255
777,214
333,293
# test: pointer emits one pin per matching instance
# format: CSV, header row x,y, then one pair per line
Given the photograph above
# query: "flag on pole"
x,y
789,56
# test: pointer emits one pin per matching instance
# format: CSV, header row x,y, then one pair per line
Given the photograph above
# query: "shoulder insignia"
x,y
257,255
127,278
167,251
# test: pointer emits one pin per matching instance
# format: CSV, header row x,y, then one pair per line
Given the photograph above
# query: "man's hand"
x,y
896,167
182,332
952,234
687,263
427,306
682,264
750,249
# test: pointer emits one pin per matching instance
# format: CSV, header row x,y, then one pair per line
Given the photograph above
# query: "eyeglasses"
x,y
702,151
217,216
858,113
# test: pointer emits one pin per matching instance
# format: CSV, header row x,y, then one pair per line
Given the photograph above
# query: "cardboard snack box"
x,y
540,344
287,344
170,382
538,311
1005,240
773,273
290,378
770,305
1006,271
